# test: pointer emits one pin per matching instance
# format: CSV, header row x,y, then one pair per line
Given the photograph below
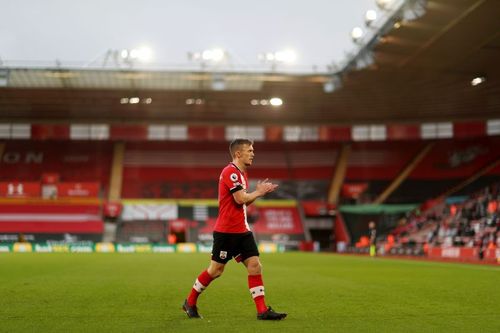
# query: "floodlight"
x,y
384,4
370,17
276,101
285,56
477,81
356,34
278,57
215,55
144,53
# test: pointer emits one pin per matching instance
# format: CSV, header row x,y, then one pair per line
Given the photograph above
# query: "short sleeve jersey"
x,y
232,216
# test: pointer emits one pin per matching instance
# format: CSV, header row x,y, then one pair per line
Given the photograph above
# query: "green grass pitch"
x,y
321,293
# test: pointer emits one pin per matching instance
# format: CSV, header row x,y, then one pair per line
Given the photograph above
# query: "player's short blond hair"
x,y
237,144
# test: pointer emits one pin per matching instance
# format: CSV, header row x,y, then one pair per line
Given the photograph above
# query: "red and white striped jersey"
x,y
232,216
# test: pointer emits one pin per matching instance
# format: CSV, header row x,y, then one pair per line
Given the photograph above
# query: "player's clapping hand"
x,y
266,186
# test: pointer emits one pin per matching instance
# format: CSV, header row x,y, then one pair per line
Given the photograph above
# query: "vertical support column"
x,y
115,184
338,177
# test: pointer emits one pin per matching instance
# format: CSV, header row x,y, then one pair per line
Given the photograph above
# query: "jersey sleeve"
x,y
232,179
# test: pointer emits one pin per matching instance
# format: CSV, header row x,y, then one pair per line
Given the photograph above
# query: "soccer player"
x,y
232,235
373,238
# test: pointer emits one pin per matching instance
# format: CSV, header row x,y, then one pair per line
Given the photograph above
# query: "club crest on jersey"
x,y
233,177
223,254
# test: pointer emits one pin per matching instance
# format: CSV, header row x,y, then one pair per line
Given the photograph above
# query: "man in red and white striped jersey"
x,y
232,235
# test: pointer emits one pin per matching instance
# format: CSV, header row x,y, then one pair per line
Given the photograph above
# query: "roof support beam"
x,y
442,32
338,177
404,174
471,179
115,184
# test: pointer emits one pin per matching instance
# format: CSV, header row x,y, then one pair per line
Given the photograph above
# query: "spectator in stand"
x,y
492,207
172,238
434,237
473,223
453,210
483,244
492,244
390,243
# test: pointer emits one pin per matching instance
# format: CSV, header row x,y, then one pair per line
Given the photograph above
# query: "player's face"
x,y
247,154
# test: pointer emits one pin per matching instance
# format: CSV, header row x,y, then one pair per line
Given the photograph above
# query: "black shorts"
x,y
230,245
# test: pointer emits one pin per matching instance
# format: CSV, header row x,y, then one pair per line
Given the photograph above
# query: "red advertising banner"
x,y
112,209
353,190
317,208
20,189
129,132
454,252
178,225
282,220
45,132
492,255
88,189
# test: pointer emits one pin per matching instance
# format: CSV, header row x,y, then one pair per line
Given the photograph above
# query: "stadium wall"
x,y
325,133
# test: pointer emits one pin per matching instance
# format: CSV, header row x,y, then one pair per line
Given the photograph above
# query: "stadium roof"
x,y
422,72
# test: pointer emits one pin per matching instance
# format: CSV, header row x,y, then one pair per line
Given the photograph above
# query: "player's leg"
x,y
250,258
256,286
214,270
255,282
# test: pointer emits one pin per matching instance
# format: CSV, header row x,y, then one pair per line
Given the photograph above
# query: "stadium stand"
x,y
184,170
448,162
461,227
70,161
376,164
191,170
52,190
172,170
41,220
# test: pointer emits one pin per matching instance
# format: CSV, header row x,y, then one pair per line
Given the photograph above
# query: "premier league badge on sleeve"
x,y
233,177
223,254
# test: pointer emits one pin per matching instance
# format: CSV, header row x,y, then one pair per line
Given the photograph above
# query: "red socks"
x,y
200,284
256,286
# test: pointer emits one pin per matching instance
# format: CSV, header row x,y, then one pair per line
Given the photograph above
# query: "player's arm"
x,y
243,197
